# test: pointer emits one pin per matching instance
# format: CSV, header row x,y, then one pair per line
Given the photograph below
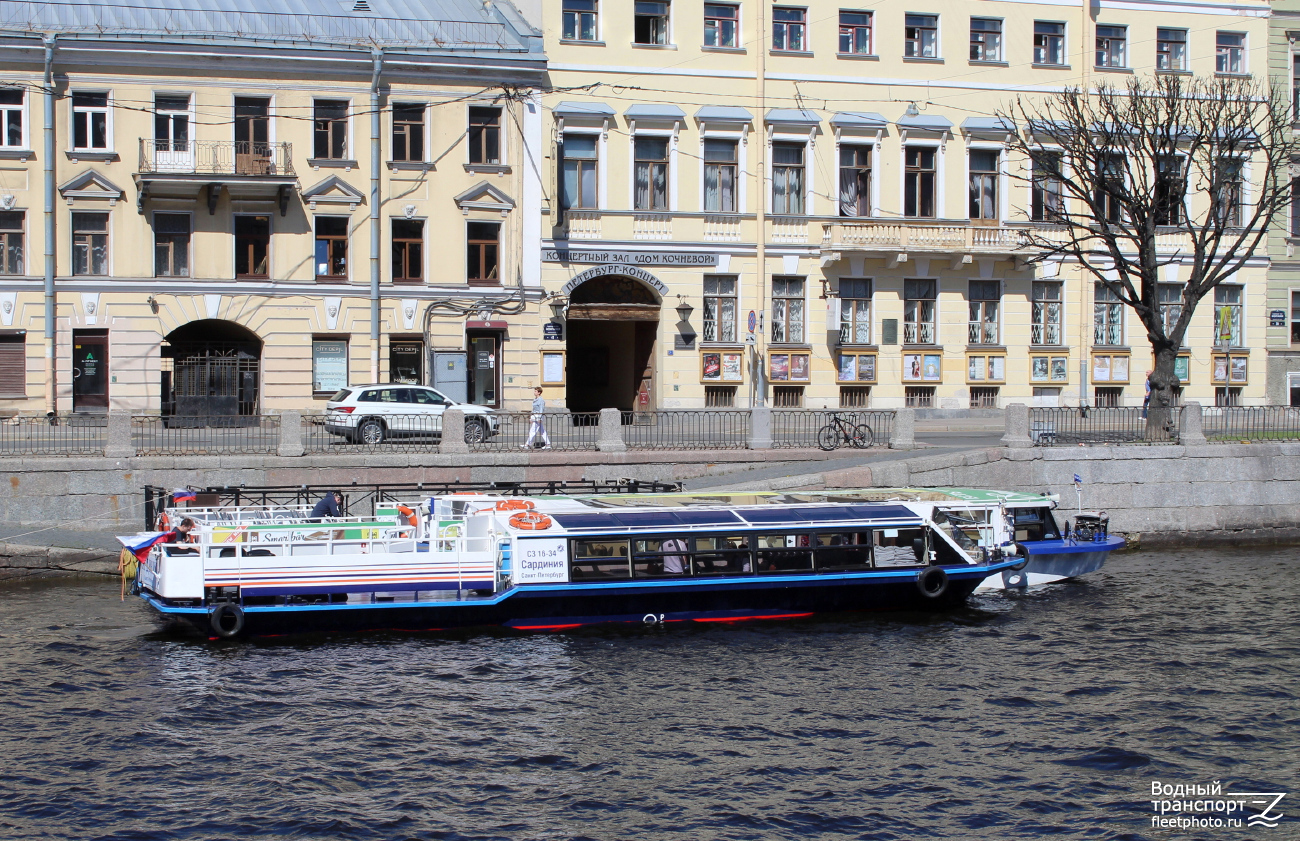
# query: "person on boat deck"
x,y
330,505
674,564
181,534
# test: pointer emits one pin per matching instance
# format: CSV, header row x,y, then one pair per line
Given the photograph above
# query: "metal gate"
x,y
214,379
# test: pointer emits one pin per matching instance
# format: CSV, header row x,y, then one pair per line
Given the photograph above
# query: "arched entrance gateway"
x,y
211,368
613,319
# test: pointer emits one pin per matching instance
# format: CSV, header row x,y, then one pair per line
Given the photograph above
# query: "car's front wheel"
x,y
475,431
371,431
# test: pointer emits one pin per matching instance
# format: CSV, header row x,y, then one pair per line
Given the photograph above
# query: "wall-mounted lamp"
x,y
153,304
684,309
911,110
558,305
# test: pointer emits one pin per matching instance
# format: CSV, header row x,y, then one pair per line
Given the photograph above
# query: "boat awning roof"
x,y
796,516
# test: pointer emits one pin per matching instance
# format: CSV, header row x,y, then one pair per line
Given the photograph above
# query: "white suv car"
x,y
367,414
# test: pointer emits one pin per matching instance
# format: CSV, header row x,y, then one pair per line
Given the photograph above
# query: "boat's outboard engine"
x,y
1093,527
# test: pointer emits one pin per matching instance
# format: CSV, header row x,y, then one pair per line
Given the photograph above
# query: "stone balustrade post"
x,y
291,444
453,431
760,428
1191,429
117,441
1017,430
904,437
610,435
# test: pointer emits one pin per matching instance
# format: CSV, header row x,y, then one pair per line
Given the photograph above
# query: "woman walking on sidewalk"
x,y
536,425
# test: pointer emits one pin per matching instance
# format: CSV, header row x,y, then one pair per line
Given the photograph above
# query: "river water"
x,y
1043,714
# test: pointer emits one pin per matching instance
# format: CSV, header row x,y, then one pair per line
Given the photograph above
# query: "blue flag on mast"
x,y
1078,480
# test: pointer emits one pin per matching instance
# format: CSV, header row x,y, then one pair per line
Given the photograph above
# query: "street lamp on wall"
x,y
684,309
558,306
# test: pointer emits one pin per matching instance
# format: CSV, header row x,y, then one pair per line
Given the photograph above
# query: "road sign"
x,y
753,321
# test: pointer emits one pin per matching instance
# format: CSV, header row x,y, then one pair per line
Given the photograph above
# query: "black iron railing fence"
x,y
205,434
800,428
62,435
1070,426
1251,424
686,430
573,431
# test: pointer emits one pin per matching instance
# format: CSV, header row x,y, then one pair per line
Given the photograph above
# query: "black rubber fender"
x,y
932,582
1023,551
217,618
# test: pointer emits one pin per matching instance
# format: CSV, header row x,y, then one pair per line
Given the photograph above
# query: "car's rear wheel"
x,y
475,431
371,431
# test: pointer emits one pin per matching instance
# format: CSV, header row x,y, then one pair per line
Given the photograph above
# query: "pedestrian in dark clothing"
x,y
330,505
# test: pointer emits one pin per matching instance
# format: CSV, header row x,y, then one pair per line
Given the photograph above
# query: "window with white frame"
x,y
984,298
408,250
171,237
788,178
1169,300
650,22
921,36
787,309
330,134
984,185
985,39
1230,52
650,188
919,312
90,121
11,118
855,180
1168,191
11,242
855,311
579,20
1227,315
1049,42
1045,312
171,122
721,25
1112,46
1295,208
919,183
855,33
790,29
719,308
1228,191
1047,187
485,135
1171,49
1107,316
720,180
408,131
1295,317
578,185
331,247
1109,190
90,243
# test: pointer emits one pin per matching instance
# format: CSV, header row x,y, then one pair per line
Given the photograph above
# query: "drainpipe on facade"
x,y
1085,337
377,55
51,406
757,385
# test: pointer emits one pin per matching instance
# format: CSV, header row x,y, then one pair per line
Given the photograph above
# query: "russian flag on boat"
x,y
140,544
184,495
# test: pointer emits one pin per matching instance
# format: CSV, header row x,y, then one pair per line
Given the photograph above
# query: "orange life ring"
x,y
409,514
530,521
163,521
515,505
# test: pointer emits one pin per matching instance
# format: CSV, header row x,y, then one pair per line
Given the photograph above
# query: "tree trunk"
x,y
1159,406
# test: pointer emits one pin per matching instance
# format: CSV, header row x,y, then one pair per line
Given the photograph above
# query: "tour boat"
x,y
463,560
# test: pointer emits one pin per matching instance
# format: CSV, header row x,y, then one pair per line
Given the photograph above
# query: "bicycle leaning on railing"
x,y
840,431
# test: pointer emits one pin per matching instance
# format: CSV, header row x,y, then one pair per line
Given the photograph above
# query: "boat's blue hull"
x,y
1069,558
554,606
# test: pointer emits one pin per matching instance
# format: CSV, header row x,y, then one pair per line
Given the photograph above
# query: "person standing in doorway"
x,y
537,426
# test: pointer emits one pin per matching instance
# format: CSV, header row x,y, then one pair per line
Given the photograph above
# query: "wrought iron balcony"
x,y
215,157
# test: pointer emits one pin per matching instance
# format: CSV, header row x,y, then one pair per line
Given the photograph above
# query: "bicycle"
x,y
840,431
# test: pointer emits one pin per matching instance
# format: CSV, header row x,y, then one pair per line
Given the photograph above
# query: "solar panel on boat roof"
x,y
615,520
826,514
705,517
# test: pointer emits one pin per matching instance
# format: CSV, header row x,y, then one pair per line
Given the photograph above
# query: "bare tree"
x,y
1166,170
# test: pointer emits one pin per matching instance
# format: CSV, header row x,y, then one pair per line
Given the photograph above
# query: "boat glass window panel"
x,y
722,555
900,547
11,117
843,551
1034,524
600,559
779,553
666,557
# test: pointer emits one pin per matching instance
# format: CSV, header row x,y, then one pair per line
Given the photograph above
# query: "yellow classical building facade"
x,y
749,202
236,211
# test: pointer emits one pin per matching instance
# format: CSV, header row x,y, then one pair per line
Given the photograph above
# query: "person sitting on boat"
x,y
329,505
674,564
181,534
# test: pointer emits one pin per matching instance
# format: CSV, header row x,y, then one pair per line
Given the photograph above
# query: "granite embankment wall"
x,y
101,494
1177,491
